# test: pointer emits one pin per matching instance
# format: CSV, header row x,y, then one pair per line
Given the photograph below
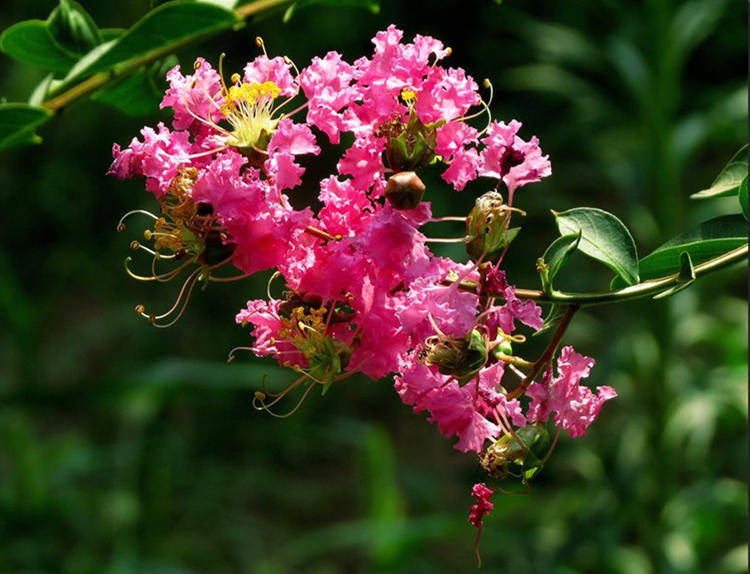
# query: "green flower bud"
x,y
528,453
459,357
404,190
409,145
487,227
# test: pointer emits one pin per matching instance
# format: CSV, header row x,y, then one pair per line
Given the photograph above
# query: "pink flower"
x,y
277,70
447,94
289,140
575,406
326,84
231,193
157,158
506,156
463,168
264,318
457,410
363,162
198,94
345,207
483,505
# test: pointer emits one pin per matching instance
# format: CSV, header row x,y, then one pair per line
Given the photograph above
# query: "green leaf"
x,y
135,95
73,28
31,43
685,277
172,23
17,124
742,196
729,179
140,93
604,238
708,240
372,6
555,258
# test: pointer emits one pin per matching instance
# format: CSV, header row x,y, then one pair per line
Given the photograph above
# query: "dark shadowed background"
x,y
126,449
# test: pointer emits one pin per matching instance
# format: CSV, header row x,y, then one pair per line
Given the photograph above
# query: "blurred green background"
x,y
128,449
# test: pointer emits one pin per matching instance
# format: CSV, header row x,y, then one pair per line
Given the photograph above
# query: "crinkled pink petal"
x,y
197,94
157,158
276,70
362,161
293,139
284,171
454,136
462,169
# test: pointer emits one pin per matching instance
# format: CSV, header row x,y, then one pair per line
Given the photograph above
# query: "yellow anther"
x,y
147,235
409,96
140,309
236,78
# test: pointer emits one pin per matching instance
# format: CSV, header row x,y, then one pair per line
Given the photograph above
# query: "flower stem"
x,y
548,353
102,79
645,289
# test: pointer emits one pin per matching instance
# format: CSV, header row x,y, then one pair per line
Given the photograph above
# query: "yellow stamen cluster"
x,y
305,328
409,96
251,93
173,231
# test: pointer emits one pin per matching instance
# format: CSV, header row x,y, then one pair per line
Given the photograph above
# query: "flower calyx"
x,y
487,231
525,449
459,357
409,144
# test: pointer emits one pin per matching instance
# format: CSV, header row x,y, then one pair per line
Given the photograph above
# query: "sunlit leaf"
x,y
706,241
555,258
729,180
603,238
372,6
685,277
31,42
162,28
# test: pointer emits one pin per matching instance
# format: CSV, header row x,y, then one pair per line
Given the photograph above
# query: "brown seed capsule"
x,y
404,190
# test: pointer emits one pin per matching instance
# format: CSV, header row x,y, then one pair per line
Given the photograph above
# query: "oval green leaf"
x,y
603,238
372,6
31,43
729,179
161,29
555,258
17,124
708,240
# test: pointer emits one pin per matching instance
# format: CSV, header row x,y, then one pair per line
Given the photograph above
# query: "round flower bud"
x,y
458,357
487,227
404,190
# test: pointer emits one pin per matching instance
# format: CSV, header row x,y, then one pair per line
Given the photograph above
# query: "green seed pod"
x,y
459,357
487,227
404,190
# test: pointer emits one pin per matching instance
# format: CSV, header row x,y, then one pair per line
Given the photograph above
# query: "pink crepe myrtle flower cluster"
x,y
362,291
